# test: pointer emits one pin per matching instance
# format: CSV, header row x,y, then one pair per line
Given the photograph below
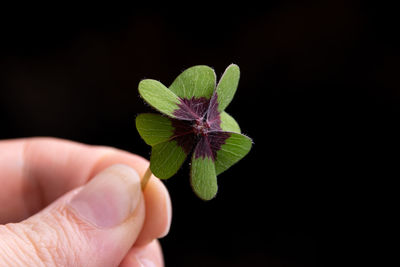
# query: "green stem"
x,y
146,178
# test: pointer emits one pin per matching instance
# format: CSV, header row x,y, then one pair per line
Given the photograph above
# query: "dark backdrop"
x,y
319,94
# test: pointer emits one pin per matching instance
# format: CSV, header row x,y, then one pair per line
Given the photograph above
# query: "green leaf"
x,y
228,123
159,97
197,81
227,86
166,159
235,148
203,178
154,128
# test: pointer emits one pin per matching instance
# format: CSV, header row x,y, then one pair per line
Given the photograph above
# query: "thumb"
x,y
94,225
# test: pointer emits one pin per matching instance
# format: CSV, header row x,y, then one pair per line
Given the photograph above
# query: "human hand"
x,y
69,204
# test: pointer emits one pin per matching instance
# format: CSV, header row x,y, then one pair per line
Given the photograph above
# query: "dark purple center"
x,y
199,122
201,127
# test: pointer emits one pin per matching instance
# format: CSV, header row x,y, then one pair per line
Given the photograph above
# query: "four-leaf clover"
x,y
196,123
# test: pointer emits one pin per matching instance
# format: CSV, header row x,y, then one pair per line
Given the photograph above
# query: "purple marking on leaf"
x,y
192,109
209,145
213,116
203,148
183,134
186,142
215,124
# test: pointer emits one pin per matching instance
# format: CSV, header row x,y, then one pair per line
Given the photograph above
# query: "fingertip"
x,y
166,206
147,255
158,212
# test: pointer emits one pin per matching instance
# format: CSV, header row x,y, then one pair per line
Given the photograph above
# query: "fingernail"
x,y
109,198
146,263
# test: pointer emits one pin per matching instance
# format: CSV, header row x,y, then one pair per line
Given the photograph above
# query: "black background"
x,y
319,95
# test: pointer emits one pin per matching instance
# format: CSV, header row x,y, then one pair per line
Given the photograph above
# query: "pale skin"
x,y
43,183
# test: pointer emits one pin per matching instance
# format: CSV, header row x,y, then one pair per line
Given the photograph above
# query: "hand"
x,y
69,204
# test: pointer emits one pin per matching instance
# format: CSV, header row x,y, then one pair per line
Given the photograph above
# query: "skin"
x,y
38,227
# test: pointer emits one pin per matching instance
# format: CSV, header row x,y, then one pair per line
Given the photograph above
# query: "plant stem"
x,y
146,178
